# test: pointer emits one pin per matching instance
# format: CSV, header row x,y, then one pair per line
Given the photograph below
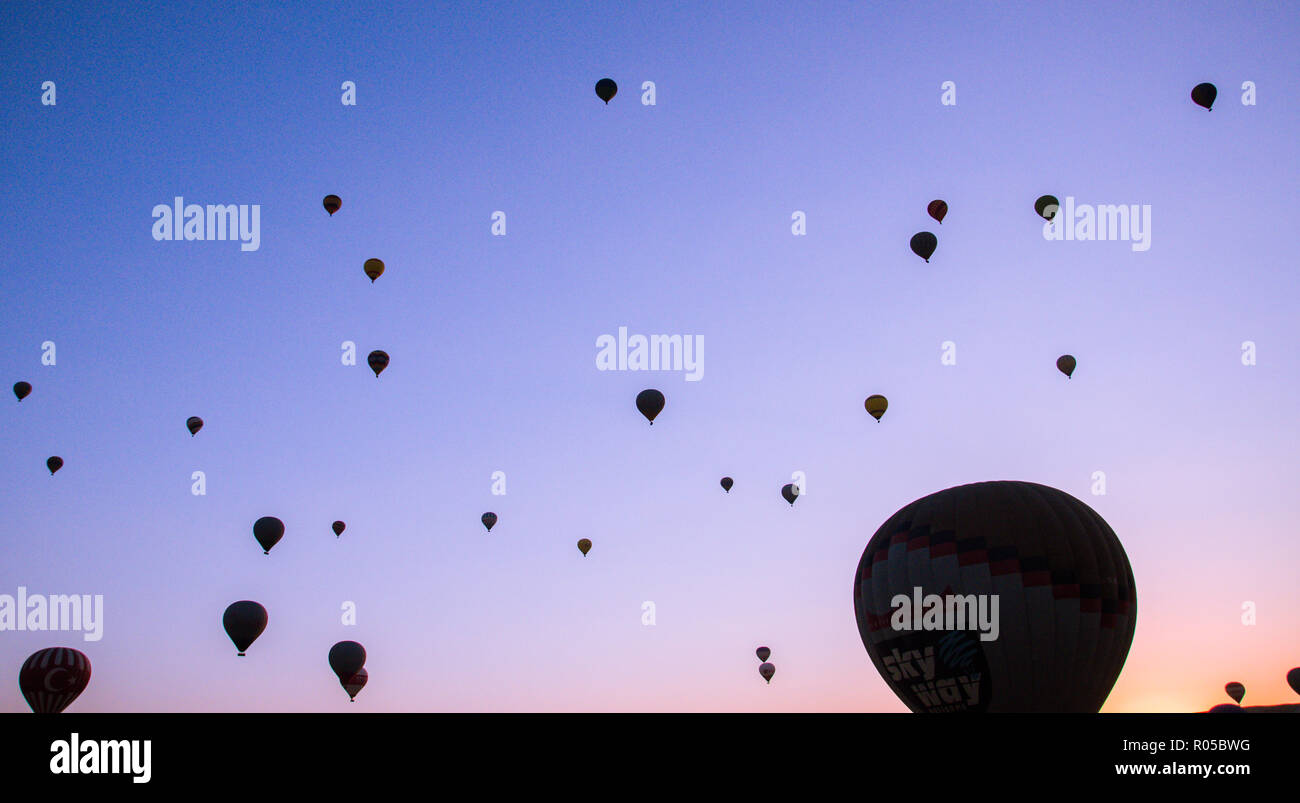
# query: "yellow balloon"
x,y
876,405
374,269
584,546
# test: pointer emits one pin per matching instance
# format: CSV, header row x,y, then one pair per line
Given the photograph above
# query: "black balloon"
x,y
1047,206
789,492
378,361
650,403
21,389
268,531
244,621
54,464
726,484
923,244
346,659
1204,95
338,528
489,520
606,89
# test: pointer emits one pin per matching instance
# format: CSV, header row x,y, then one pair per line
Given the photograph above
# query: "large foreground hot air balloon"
x,y
244,621
1065,610
52,678
268,531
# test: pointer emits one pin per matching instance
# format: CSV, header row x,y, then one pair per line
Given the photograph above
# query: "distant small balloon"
x,y
726,484
650,403
938,210
876,405
584,546
54,464
923,244
1293,679
767,671
346,659
22,390
1047,207
789,493
374,268
354,684
1235,690
378,361
244,621
606,89
1204,94
338,528
1066,365
332,204
194,424
489,520
763,653
268,531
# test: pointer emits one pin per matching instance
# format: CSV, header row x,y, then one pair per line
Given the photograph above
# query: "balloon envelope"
x,y
268,531
1067,603
763,653
650,403
1235,690
726,484
938,210
923,244
606,89
767,671
22,389
355,683
378,361
54,464
332,203
789,492
338,528
1204,95
1066,365
1047,206
584,546
50,679
374,268
1293,679
194,424
489,519
244,621
876,405
347,658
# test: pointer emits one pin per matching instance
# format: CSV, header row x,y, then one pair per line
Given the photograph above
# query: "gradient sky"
x,y
668,219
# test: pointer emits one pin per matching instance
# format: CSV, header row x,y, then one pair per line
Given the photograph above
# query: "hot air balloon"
x,y
650,403
378,361
1047,207
584,546
194,424
338,528
1235,690
489,520
354,684
332,204
1293,679
923,244
52,678
763,654
789,492
767,671
268,531
876,405
54,464
244,621
22,389
938,210
1226,708
726,484
346,659
606,89
374,268
1204,94
1067,603
1066,365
